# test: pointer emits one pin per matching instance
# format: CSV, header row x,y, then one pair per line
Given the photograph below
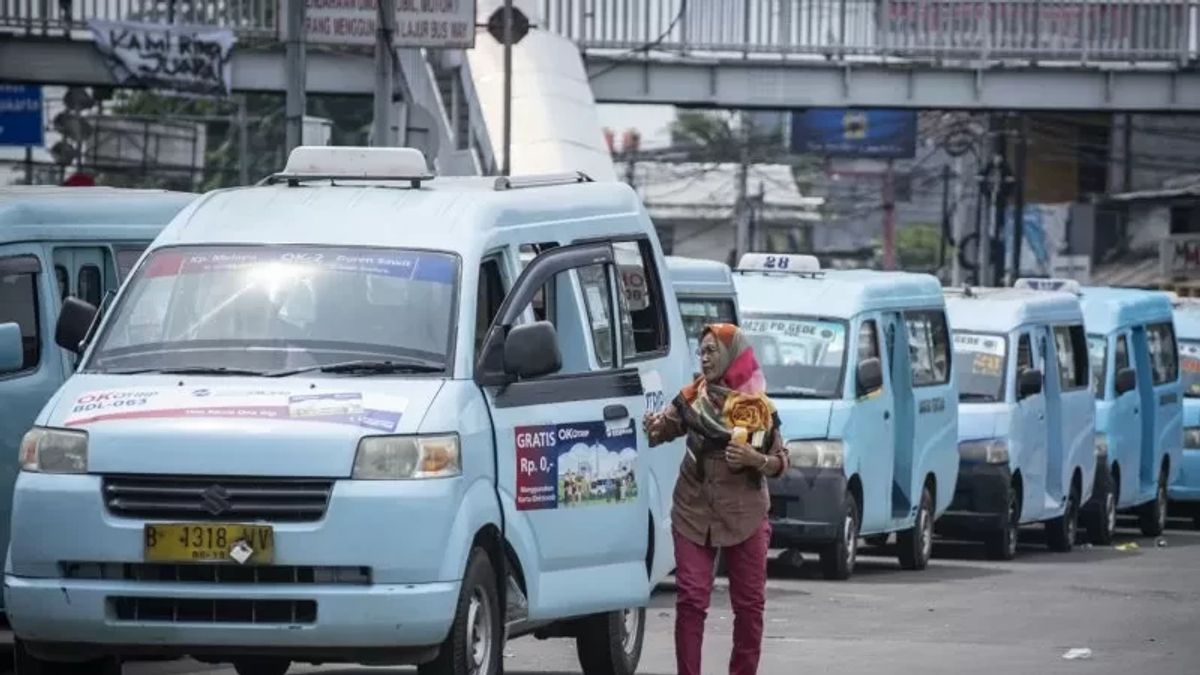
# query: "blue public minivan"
x,y
55,243
1139,407
1185,490
1026,419
705,292
859,365
336,418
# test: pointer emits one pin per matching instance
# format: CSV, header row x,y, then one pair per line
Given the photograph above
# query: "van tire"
x,y
916,543
1152,516
476,639
1102,523
1062,531
25,663
1002,544
837,557
611,643
261,666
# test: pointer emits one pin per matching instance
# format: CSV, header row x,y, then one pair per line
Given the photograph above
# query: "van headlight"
x,y
48,450
822,454
1102,444
1191,438
991,451
407,457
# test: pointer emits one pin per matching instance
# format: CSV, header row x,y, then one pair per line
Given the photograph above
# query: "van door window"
x,y
1121,358
127,257
929,347
543,303
89,286
597,300
19,304
642,298
1164,359
868,341
1070,347
64,281
1097,357
488,298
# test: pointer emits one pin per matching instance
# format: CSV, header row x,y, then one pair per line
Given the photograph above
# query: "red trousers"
x,y
747,563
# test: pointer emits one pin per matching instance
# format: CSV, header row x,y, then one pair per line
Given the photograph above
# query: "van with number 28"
x,y
858,363
358,414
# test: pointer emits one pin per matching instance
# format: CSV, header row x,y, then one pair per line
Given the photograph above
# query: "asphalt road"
x,y
1138,611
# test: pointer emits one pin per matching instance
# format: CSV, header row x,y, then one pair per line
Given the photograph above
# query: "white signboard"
x,y
445,24
184,59
1077,267
1180,256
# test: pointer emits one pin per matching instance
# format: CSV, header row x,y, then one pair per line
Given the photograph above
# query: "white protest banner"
x,y
179,58
437,24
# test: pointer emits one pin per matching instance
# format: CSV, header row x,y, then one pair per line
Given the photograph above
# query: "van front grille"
x,y
219,498
218,574
221,610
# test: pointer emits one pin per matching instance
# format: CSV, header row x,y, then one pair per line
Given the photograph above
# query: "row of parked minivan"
x,y
912,409
361,413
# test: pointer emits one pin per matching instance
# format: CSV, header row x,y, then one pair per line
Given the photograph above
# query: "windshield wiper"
x,y
797,394
364,367
183,370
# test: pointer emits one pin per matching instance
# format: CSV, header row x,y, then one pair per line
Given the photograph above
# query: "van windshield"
x,y
1189,364
982,364
699,312
258,309
1098,357
800,356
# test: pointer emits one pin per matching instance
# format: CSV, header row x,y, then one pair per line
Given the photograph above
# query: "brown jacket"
x,y
714,504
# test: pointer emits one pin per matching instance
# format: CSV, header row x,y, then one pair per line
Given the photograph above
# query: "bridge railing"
x,y
249,18
1042,30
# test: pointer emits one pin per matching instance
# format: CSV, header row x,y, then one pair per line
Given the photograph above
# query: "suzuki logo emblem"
x,y
215,500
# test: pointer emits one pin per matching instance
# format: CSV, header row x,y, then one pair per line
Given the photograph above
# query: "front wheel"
x,y
261,666
1102,523
25,663
1061,531
837,557
477,634
1152,517
611,644
916,543
1002,544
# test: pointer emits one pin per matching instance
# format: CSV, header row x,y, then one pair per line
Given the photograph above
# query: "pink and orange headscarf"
x,y
736,398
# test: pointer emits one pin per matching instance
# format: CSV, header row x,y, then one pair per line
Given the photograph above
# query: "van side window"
x,y
88,286
929,347
127,257
597,299
1070,345
643,309
19,304
868,341
543,302
488,298
64,282
1121,358
1024,353
1164,357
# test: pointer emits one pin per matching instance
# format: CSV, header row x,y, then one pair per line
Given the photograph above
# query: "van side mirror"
x,y
74,323
1029,383
12,351
1126,380
869,376
531,350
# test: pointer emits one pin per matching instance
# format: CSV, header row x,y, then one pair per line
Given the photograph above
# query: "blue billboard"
x,y
21,114
846,132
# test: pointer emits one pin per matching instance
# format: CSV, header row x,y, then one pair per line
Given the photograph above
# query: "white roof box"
x,y
322,161
1064,285
784,263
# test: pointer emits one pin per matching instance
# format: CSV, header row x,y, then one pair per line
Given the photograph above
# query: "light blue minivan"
x,y
1139,407
859,365
58,242
334,418
1185,490
706,295
1025,418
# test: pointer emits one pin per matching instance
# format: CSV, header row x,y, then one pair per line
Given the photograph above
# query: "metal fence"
x,y
250,18
1074,30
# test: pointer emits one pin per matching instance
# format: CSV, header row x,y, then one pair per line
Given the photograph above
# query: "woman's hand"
x,y
742,455
651,422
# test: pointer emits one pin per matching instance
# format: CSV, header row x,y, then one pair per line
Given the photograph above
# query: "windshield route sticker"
x,y
378,412
576,464
431,267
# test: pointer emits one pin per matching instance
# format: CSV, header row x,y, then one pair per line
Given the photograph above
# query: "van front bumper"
x,y
980,501
807,505
1186,487
80,619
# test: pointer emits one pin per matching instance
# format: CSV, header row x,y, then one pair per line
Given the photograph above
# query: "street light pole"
x,y
384,74
506,167
295,105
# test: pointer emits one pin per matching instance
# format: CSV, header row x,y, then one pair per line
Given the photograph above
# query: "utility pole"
x,y
381,131
297,81
243,142
741,207
506,167
1000,189
889,217
946,220
956,272
1019,199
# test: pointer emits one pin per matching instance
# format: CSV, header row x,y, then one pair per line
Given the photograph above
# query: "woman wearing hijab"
x,y
720,500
